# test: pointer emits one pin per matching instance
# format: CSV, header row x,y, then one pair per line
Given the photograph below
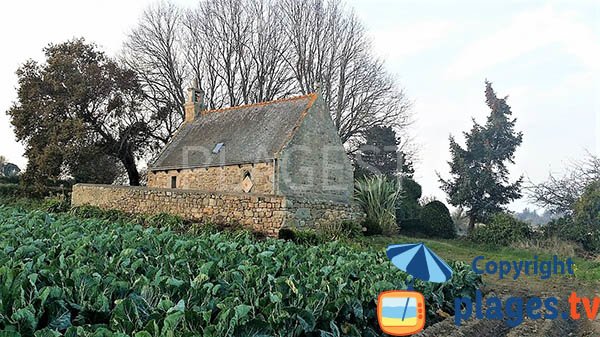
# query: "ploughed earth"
x,y
526,287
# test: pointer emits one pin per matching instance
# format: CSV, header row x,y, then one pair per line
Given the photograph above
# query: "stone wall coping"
x,y
291,198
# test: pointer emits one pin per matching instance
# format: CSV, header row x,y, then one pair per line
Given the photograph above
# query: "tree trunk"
x,y
132,172
471,223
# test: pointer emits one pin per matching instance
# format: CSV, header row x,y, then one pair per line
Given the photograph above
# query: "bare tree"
x,y
154,50
237,52
243,51
330,47
559,194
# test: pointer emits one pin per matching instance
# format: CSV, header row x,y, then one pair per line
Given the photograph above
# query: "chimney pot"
x,y
194,104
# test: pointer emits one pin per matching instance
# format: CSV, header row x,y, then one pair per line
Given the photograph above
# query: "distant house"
x,y
287,147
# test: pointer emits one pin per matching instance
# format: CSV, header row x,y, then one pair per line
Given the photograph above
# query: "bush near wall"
x,y
27,191
436,220
378,196
503,230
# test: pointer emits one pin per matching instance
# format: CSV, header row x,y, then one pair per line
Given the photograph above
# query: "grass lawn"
x,y
587,271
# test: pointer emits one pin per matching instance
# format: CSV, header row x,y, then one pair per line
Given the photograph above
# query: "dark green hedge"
x,y
436,220
411,226
37,192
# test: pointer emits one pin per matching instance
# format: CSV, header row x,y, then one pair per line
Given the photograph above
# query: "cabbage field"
x,y
65,275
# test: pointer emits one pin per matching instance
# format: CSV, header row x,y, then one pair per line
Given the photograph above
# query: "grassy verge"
x,y
463,250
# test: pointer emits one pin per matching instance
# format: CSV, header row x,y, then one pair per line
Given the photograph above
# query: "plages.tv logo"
x,y
402,312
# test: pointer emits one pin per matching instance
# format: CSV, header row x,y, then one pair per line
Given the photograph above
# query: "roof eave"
x,y
188,167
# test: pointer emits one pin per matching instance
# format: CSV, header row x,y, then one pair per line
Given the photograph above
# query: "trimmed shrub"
x,y
503,230
436,220
408,206
287,234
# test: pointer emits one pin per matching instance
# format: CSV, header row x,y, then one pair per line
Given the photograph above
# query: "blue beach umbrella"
x,y
420,262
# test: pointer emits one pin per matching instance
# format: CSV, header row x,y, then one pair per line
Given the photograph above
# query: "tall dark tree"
x,y
380,154
76,100
479,174
91,165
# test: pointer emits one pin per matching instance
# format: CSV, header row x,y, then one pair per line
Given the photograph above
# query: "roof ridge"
x,y
286,99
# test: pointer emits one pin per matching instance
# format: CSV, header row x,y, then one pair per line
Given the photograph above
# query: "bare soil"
x,y
528,286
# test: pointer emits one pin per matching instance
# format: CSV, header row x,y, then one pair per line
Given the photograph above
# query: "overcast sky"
x,y
544,54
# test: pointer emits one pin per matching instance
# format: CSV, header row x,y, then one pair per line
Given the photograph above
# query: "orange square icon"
x,y
401,312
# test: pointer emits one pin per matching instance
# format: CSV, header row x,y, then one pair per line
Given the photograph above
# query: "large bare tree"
x,y
330,46
154,50
236,52
244,51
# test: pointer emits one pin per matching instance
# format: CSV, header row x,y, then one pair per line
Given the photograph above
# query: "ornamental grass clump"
x,y
377,196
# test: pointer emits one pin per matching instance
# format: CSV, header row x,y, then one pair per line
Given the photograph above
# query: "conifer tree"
x,y
380,155
479,175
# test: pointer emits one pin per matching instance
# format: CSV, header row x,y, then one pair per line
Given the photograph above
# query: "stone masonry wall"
x,y
314,164
262,212
220,179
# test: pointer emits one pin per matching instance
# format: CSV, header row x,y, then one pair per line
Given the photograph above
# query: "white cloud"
x,y
526,32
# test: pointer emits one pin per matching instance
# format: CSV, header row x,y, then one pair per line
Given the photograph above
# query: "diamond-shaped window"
x,y
247,183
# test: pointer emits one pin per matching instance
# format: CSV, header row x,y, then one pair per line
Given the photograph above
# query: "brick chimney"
x,y
194,104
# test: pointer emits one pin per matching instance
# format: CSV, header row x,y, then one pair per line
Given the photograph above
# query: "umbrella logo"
x,y
402,312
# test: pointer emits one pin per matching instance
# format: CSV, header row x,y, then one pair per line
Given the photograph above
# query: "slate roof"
x,y
249,133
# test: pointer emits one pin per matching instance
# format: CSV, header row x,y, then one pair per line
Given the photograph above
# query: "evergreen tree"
x,y
479,174
78,97
379,154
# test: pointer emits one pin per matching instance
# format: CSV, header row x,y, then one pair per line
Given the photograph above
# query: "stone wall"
x,y
262,212
220,179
